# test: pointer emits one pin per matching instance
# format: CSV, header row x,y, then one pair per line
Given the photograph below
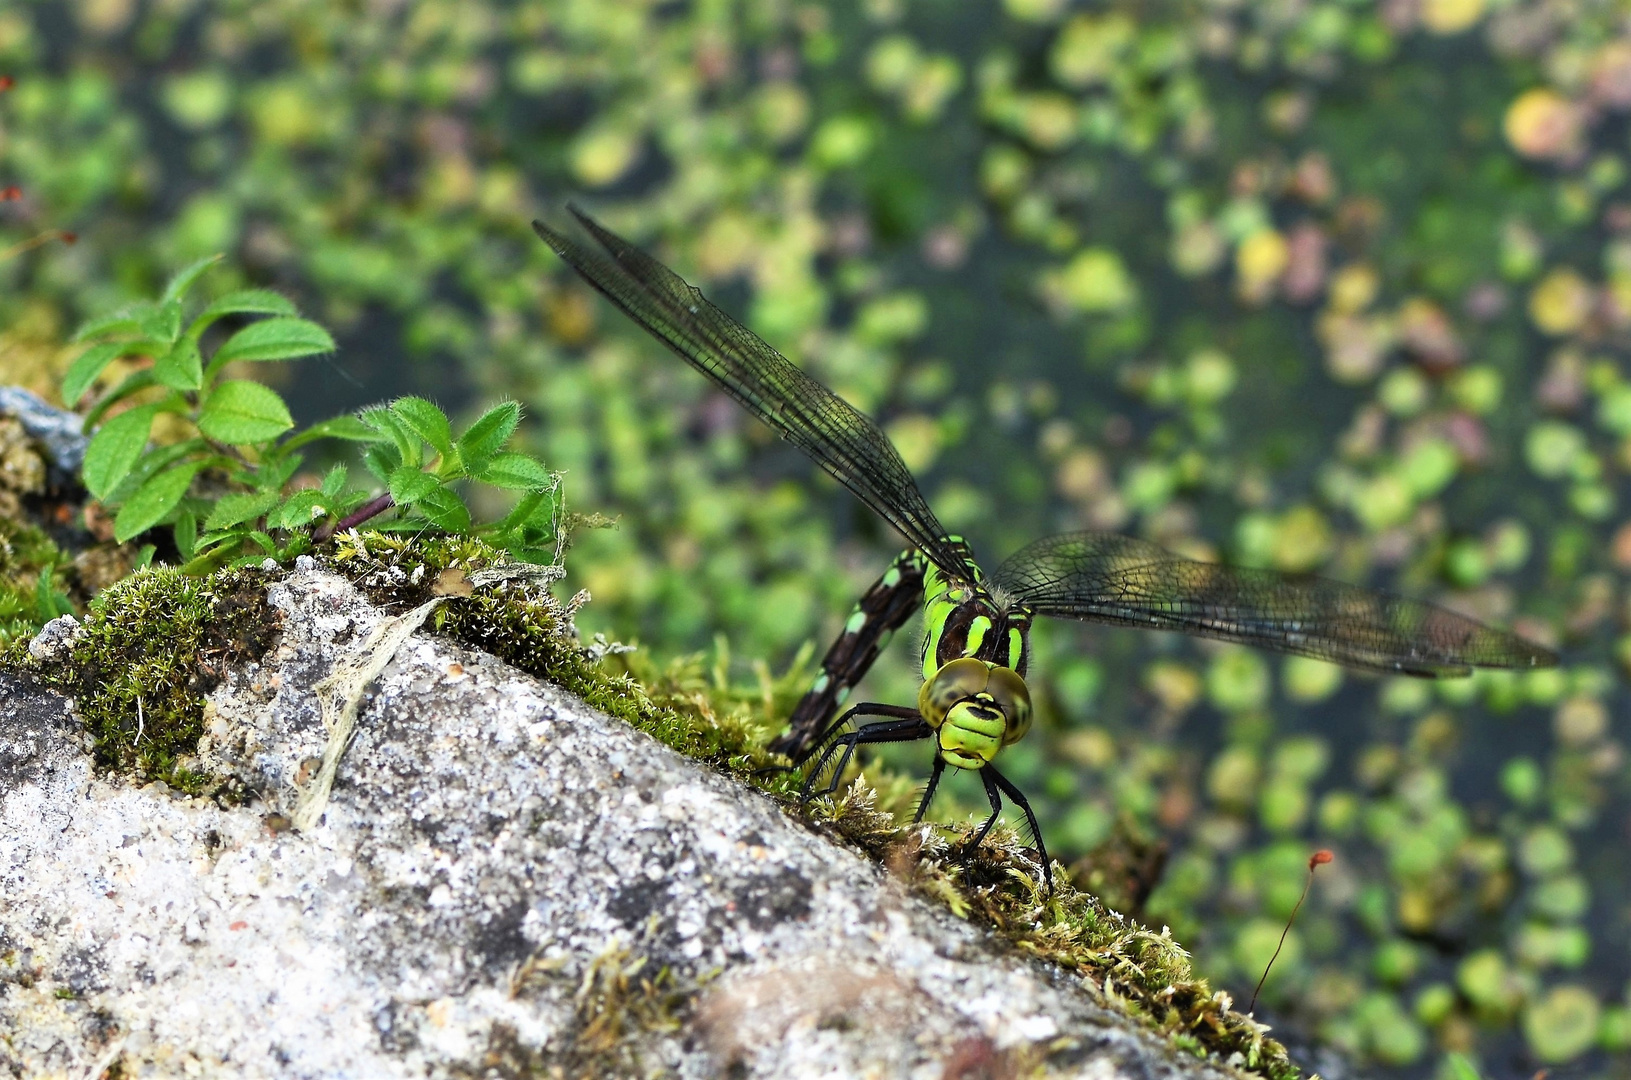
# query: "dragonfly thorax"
x,y
976,708
961,618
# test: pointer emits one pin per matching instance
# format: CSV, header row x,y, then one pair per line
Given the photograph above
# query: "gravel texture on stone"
x,y
504,883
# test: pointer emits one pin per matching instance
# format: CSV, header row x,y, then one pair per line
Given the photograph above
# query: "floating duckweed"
x,y
1564,897
1383,501
1232,779
1095,280
1309,681
1451,16
1476,388
1541,945
1544,851
1522,781
1429,467
1283,807
1396,961
841,141
1487,981
1562,302
1434,1004
1392,1035
1339,813
1302,539
1237,680
1562,1025
1404,392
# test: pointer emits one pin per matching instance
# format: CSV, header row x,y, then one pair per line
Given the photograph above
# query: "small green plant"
x,y
229,484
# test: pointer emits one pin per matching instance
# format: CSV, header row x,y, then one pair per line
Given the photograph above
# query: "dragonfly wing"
x,y
832,432
1102,577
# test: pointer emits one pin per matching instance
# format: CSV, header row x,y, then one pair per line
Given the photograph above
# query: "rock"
x,y
55,639
57,431
502,882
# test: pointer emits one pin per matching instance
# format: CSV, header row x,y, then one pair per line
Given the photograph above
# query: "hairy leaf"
x,y
93,361
445,510
408,485
114,448
488,434
508,470
282,338
187,275
124,320
163,323
136,380
387,423
153,501
425,420
339,427
239,411
236,509
242,302
180,368
302,508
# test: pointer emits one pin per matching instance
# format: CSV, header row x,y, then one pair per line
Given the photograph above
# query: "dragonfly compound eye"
x,y
1013,697
957,681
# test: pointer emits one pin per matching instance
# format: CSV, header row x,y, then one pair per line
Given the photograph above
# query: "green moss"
x,y
31,580
153,646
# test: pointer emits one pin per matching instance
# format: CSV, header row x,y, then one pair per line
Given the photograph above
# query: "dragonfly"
x,y
976,650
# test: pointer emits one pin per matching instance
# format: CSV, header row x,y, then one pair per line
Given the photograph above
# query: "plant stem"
x,y
371,508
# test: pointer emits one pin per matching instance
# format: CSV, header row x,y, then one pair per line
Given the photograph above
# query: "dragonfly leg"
x,y
995,796
907,727
877,615
928,792
1024,804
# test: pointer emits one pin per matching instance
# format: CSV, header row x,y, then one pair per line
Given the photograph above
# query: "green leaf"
x,y
181,368
427,421
124,320
510,470
242,302
275,471
340,427
114,448
274,339
238,508
408,485
487,435
136,380
445,510
153,501
239,411
186,534
154,460
187,275
523,510
301,510
380,461
93,361
334,481
48,602
389,424
164,322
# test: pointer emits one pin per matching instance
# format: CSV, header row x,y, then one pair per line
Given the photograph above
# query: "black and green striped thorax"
x,y
963,617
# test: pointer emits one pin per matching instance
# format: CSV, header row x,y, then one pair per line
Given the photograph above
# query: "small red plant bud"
x,y
11,193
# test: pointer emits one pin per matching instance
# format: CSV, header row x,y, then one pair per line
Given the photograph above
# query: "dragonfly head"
x,y
976,709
